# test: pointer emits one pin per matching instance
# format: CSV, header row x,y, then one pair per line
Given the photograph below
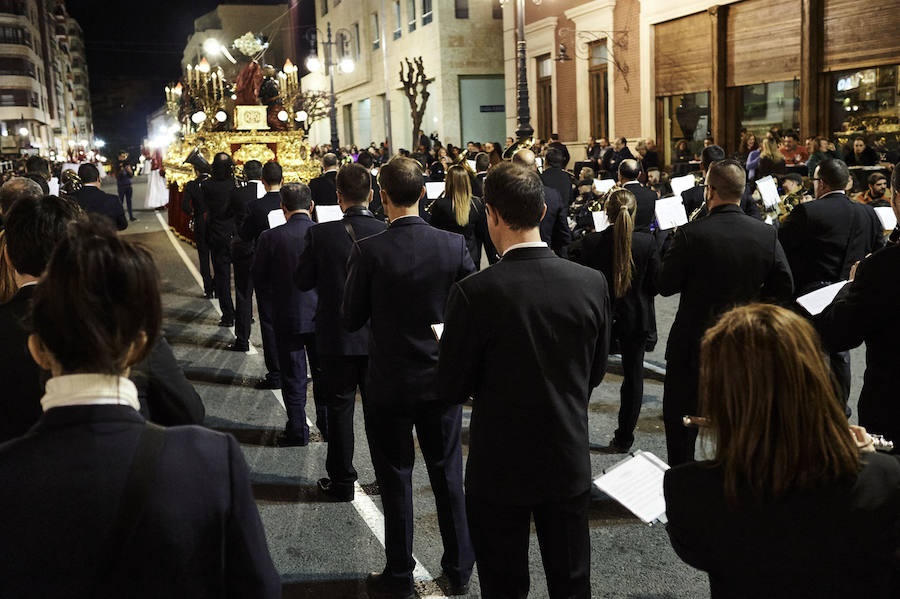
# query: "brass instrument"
x,y
788,203
197,160
698,212
522,144
70,183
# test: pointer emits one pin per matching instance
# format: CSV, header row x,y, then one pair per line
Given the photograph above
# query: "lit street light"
x,y
214,48
523,113
346,65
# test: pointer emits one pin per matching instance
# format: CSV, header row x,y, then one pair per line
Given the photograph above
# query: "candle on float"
x,y
190,74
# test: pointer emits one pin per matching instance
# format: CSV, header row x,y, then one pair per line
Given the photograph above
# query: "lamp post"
x,y
346,65
523,112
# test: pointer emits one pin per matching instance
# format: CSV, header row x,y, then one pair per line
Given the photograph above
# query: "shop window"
x,y
686,119
767,105
867,102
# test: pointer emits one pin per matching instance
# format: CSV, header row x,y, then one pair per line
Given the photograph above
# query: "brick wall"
x,y
626,17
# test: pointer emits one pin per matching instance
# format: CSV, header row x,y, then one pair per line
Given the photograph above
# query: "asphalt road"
x,y
325,549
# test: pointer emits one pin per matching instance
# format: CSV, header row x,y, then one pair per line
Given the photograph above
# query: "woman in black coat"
x,y
629,260
458,212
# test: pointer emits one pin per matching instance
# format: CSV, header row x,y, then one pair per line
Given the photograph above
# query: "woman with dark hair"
x,y
682,152
458,212
629,260
788,505
860,154
495,151
105,504
220,230
749,154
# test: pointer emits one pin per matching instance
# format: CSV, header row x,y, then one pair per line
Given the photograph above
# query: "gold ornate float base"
x,y
286,147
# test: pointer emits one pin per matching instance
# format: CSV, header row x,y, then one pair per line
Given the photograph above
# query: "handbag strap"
x,y
141,476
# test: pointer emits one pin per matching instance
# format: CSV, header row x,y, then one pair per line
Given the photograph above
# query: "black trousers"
x,y
267,329
125,194
631,394
221,259
500,534
340,377
679,400
840,367
438,427
203,255
293,350
243,295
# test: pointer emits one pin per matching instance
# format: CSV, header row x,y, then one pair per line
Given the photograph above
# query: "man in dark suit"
x,y
34,225
715,263
220,230
257,221
546,320
564,152
91,199
629,171
555,230
343,356
400,279
324,191
275,261
242,254
482,164
614,157
366,161
825,237
555,177
192,204
694,199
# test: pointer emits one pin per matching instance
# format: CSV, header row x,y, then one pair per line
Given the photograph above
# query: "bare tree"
x,y
314,103
415,86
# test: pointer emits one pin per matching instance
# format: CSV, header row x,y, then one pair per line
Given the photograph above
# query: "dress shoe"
x,y
450,588
286,440
334,493
209,295
379,585
226,322
616,447
238,346
267,384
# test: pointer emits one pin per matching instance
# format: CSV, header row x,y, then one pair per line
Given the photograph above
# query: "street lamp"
x,y
523,114
214,48
346,65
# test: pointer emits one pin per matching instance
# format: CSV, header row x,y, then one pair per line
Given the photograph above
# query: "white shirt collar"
x,y
89,390
526,244
631,183
832,193
393,220
28,284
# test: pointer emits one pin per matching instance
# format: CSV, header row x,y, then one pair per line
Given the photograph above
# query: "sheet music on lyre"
x,y
326,214
276,218
887,217
816,301
769,191
637,483
670,213
601,221
682,184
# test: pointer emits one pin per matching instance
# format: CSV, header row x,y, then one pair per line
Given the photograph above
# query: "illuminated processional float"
x,y
262,114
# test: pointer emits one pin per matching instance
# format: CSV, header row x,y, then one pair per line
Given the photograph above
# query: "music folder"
x,y
637,483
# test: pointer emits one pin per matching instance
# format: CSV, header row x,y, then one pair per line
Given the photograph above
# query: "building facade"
x,y
459,45
696,68
44,90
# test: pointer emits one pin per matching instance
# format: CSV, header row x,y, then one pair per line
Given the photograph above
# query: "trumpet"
x,y
70,182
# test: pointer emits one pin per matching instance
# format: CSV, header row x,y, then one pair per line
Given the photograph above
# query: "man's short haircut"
x,y
623,141
295,196
790,133
40,180
482,161
39,165
554,158
33,228
88,173
554,136
354,183
365,159
253,170
516,193
402,180
329,160
711,154
629,170
16,189
727,178
834,173
876,177
272,173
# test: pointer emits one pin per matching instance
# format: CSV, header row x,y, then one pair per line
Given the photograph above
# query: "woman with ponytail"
x,y
629,260
457,211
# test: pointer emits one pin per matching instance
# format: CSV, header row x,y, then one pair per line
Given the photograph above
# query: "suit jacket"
x,y
324,189
192,198
646,205
559,180
23,380
443,217
220,220
555,230
527,338
93,200
561,147
717,263
200,534
239,201
478,185
633,312
825,237
323,267
166,396
613,158
831,541
400,279
863,312
257,219
275,261
693,199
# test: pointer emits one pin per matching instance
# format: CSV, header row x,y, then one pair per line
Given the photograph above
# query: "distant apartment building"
x,y
460,45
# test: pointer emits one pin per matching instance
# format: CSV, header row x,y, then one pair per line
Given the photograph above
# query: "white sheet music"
x,y
471,164
433,189
820,299
670,213
276,218
438,330
603,185
887,217
768,190
637,483
680,184
601,222
326,214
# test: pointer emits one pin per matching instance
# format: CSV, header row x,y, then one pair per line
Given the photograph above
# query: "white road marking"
x,y
362,503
